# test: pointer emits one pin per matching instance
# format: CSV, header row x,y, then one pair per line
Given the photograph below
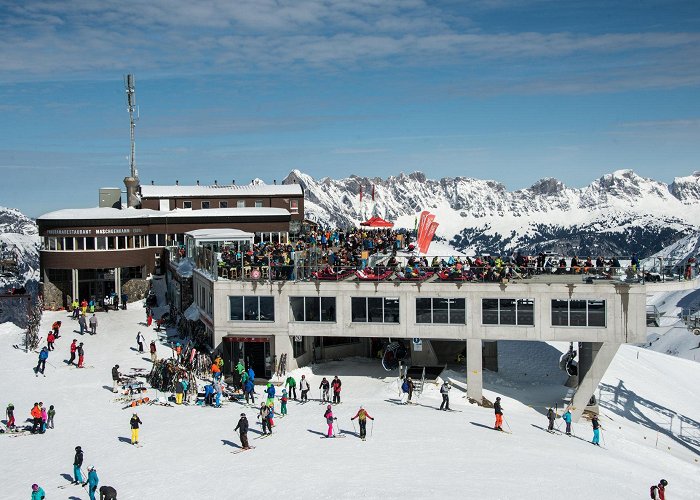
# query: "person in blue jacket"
x,y
92,482
41,365
270,393
208,394
251,374
38,492
567,419
249,389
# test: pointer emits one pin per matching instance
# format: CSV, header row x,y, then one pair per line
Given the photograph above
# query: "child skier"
x,y
44,417
325,386
550,417
81,355
329,420
38,492
567,419
263,416
51,413
135,422
283,402
10,412
92,482
270,394
50,338
73,348
658,492
499,414
362,417
596,430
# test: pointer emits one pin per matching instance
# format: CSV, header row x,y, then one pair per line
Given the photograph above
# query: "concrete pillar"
x,y
475,379
117,281
75,288
601,355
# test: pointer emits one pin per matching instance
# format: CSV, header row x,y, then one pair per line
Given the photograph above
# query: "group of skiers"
x,y
83,324
326,386
41,417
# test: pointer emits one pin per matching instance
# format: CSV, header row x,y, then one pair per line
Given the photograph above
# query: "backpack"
x,y
652,491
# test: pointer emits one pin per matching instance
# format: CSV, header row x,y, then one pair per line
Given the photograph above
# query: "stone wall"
x,y
53,296
136,289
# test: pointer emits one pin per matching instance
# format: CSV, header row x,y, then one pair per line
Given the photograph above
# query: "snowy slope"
x,y
616,214
19,238
412,452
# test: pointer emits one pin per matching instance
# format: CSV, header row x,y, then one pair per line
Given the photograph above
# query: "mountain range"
x,y
617,214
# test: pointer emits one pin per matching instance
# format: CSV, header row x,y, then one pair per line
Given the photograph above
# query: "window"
x,y
223,204
375,309
240,204
80,243
187,204
251,308
294,206
258,204
90,243
298,347
152,240
205,204
508,312
69,243
111,242
441,311
590,313
101,242
312,309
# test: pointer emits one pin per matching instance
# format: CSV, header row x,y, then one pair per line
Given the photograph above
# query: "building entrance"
x,y
253,352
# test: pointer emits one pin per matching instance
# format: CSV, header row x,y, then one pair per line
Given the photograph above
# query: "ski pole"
x,y
353,426
602,435
371,431
506,422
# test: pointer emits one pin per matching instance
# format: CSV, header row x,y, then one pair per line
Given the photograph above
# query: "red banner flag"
x,y
429,237
421,224
422,232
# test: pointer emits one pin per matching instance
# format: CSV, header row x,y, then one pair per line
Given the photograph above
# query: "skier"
x,y
249,390
499,414
185,386
404,391
208,395
658,492
263,415
596,430
362,417
270,394
411,386
217,390
36,418
115,301
92,482
38,492
125,300
283,402
550,417
73,348
51,413
135,422
139,340
329,420
10,412
108,493
44,417
304,386
292,387
251,374
325,386
76,309
271,417
81,355
336,384
567,419
215,371
91,305
77,464
50,338
41,365
152,348
56,327
444,390
93,325
179,392
242,428
82,323
149,317
115,378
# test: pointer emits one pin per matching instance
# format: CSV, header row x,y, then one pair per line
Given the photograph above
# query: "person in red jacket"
x,y
56,327
362,417
50,338
73,348
336,384
659,491
81,355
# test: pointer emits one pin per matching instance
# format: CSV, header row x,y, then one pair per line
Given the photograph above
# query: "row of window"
x,y
443,311
293,204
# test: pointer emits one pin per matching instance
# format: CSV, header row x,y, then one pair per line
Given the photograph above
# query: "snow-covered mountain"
x,y
19,242
618,213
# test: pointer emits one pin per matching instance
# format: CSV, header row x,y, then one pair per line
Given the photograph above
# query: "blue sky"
x,y
512,90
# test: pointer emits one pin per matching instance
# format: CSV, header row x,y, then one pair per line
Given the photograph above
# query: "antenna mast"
x,y
132,182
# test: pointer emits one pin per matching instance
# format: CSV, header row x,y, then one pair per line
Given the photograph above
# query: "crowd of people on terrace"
x,y
339,254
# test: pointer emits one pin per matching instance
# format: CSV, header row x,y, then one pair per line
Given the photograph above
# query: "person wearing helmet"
x,y
499,414
135,422
92,482
115,378
10,412
77,464
658,492
38,492
242,428
264,416
179,391
108,493
362,417
329,420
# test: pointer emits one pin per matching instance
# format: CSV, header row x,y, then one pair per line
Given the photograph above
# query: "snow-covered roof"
x,y
257,189
219,234
98,213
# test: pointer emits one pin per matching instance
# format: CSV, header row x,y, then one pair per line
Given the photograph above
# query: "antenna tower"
x,y
129,81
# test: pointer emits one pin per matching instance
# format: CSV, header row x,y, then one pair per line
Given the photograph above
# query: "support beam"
x,y
601,355
475,379
75,287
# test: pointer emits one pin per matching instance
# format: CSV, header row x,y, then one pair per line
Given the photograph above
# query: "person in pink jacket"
x,y
44,417
329,420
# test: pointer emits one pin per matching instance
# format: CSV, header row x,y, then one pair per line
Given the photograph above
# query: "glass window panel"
x,y
267,309
560,313
223,204
375,312
328,309
258,203
101,243
358,309
111,242
489,311
250,308
236,306
90,243
577,313
507,316
80,243
69,243
391,310
596,313
423,310
526,312
240,204
457,312
187,204
313,309
152,240
296,308
205,204
440,310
